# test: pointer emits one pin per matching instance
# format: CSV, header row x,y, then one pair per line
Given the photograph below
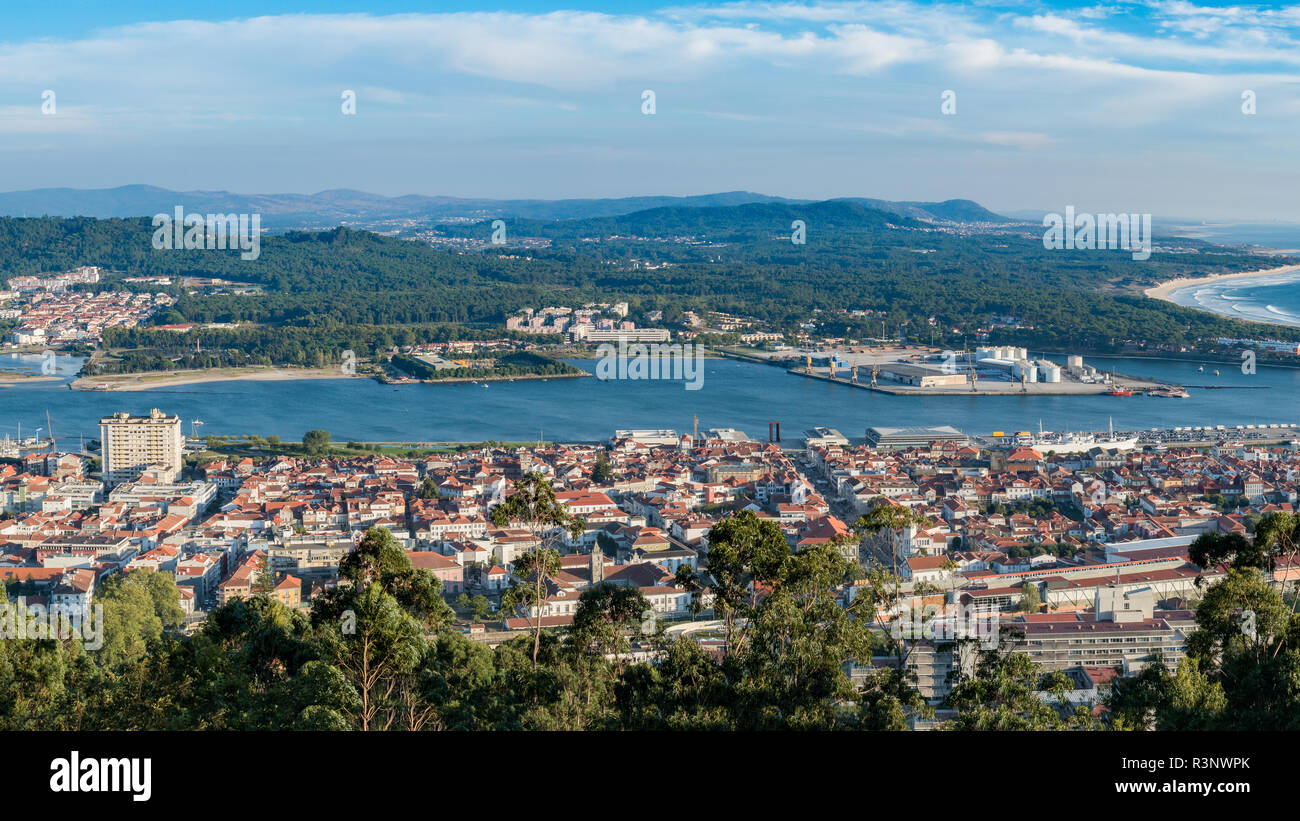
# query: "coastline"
x,y
519,378
16,377
147,380
1164,289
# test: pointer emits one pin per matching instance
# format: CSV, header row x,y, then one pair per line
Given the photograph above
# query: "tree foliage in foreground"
x,y
380,652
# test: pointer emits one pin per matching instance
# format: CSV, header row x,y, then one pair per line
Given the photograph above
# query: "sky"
x,y
1139,107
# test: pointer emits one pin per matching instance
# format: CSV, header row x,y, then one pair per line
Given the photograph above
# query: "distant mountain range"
x,y
744,223
338,206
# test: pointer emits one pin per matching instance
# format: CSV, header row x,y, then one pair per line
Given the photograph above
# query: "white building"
x,y
132,444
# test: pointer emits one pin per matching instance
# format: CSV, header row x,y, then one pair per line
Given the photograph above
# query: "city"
x,y
1034,540
683,389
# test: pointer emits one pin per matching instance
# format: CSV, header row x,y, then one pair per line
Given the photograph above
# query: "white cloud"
x,y
786,75
572,50
1026,140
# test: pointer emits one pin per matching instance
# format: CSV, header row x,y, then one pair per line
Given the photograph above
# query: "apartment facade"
x,y
132,444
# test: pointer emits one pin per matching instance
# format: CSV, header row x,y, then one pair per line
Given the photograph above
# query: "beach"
x,y
167,379
11,377
1165,289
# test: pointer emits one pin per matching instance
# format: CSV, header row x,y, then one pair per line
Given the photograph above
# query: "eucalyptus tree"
x,y
533,505
883,592
1000,691
606,615
790,643
372,628
747,556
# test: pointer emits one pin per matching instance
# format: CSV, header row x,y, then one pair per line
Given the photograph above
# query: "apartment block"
x,y
134,444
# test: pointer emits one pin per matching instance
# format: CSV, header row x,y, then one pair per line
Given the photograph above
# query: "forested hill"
x,y
334,207
930,283
946,211
752,222
336,275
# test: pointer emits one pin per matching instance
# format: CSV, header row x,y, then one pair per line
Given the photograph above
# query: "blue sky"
x,y
1115,107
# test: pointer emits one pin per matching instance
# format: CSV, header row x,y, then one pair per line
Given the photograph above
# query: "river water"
x,y
735,394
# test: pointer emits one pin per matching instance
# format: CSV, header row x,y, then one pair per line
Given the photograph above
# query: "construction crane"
x,y
875,371
807,364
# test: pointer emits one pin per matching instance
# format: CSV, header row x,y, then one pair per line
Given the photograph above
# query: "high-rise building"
x,y
133,445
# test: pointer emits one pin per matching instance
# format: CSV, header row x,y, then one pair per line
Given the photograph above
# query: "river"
x,y
735,394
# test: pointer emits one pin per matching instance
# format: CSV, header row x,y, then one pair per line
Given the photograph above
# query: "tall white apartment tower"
x,y
135,444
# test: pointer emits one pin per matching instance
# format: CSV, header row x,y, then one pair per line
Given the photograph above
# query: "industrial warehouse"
x,y
990,371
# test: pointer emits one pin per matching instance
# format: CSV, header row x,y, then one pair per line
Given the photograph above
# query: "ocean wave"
x,y
1267,299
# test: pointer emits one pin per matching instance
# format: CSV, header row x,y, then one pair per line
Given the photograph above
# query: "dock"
x,y
983,387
